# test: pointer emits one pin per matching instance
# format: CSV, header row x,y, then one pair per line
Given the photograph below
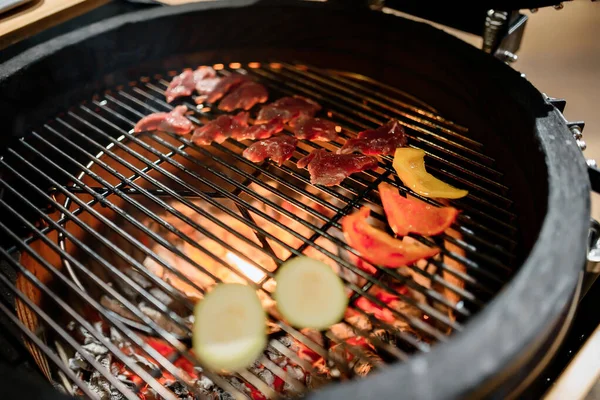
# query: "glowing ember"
x,y
252,272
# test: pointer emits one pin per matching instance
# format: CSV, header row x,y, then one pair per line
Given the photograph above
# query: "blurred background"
x,y
560,55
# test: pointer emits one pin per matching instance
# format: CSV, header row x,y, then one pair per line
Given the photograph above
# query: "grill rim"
x,y
524,310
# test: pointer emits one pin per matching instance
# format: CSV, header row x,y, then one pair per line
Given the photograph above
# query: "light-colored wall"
x,y
560,55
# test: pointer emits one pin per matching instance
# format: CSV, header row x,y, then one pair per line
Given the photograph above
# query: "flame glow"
x,y
252,272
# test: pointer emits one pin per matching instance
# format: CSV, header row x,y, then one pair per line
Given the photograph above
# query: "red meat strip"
x,y
278,149
330,169
261,131
381,141
309,128
173,122
220,129
225,85
245,96
287,108
185,83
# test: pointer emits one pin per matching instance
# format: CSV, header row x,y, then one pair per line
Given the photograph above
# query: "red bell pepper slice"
x,y
407,214
379,248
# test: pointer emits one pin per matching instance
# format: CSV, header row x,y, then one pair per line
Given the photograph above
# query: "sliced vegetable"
x,y
409,163
309,294
407,214
229,328
379,248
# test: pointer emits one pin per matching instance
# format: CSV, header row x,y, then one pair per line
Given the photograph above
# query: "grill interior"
x,y
89,203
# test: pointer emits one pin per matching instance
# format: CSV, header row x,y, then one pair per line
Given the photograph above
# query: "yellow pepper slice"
x,y
409,163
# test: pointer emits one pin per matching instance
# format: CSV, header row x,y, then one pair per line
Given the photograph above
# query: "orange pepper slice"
x,y
407,214
409,164
379,248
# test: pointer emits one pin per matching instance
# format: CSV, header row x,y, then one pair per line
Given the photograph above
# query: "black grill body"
x,y
540,165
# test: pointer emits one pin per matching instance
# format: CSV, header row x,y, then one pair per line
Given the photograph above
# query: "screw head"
x,y
559,6
581,144
576,132
533,10
591,163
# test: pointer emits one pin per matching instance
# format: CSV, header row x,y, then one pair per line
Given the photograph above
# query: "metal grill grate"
x,y
118,202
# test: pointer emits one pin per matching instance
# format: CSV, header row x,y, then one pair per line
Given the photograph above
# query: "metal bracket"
x,y
503,33
593,257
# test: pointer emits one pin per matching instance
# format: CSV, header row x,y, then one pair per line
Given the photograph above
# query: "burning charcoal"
x,y
138,278
180,390
144,362
267,377
77,363
162,320
116,395
286,341
95,348
205,383
277,358
115,336
116,307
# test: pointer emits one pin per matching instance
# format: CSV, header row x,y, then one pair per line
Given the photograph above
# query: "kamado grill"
x,y
109,237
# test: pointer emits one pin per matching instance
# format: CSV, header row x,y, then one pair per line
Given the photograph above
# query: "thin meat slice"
x,y
381,141
261,131
309,128
185,83
278,149
224,85
331,169
287,108
172,122
220,129
245,96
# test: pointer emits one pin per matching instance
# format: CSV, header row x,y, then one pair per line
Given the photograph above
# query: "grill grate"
x,y
116,201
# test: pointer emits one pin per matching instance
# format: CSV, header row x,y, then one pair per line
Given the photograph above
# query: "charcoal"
x,y
138,278
162,320
78,363
180,390
277,358
267,377
95,348
116,395
115,336
205,383
286,341
144,361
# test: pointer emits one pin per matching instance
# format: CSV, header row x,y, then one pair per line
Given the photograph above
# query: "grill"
x,y
97,205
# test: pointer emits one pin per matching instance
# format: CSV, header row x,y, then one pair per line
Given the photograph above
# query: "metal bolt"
x,y
577,134
523,76
506,56
559,6
581,144
591,163
533,10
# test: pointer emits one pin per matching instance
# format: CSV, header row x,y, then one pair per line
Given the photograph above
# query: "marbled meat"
x,y
278,149
172,122
381,141
287,108
220,129
225,85
185,83
318,129
260,131
245,96
331,169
